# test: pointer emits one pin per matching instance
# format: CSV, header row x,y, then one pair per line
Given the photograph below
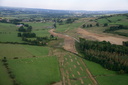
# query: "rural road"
x,y
69,42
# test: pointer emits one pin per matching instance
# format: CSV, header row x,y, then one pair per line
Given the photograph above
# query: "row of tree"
x,y
125,43
97,24
27,35
10,73
23,29
110,56
114,28
39,41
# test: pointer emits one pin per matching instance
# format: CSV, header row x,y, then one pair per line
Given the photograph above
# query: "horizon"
x,y
83,5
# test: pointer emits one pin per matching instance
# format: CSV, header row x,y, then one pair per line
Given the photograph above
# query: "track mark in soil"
x,y
65,58
73,76
78,63
74,66
78,72
70,69
81,69
81,80
71,60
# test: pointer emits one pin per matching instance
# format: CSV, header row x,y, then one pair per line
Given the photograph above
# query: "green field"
x,y
39,25
104,76
35,71
11,51
4,77
42,65
74,68
102,21
41,29
8,33
67,27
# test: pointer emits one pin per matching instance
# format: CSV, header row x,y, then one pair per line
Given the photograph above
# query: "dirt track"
x,y
100,37
69,42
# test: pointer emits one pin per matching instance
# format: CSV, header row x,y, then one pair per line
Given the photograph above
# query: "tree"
x,y
90,25
97,24
54,25
51,36
106,24
29,29
19,35
22,29
83,25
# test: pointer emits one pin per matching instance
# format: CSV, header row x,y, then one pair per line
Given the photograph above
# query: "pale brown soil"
x,y
71,60
69,42
78,63
78,72
69,45
81,68
101,37
82,82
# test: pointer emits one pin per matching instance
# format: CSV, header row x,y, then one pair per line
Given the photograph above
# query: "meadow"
x,y
35,71
66,27
8,33
104,76
21,51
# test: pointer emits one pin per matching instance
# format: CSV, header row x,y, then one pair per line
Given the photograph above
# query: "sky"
x,y
91,5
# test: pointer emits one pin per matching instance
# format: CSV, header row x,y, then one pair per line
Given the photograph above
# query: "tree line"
x,y
110,56
114,28
10,73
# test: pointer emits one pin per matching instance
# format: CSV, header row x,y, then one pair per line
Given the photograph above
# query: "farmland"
x,y
8,33
31,71
104,76
58,61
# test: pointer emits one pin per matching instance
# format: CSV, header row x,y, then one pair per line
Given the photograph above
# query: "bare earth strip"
x,y
69,42
101,37
69,45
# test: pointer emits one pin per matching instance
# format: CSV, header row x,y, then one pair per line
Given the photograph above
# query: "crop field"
x,y
8,33
35,71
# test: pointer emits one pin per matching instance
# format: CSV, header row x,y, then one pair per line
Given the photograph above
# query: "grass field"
x,y
67,27
8,33
39,25
104,76
41,29
102,21
74,69
35,71
4,77
117,18
21,51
